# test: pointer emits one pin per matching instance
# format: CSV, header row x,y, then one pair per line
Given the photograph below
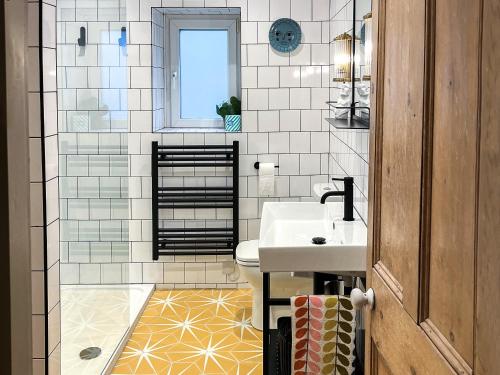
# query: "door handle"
x,y
360,299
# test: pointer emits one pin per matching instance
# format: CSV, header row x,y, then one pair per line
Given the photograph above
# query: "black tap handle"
x,y
348,178
348,197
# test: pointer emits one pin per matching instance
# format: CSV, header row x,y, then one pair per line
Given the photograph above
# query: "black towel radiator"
x,y
194,240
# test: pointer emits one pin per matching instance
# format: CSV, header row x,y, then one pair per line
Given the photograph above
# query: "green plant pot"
x,y
232,123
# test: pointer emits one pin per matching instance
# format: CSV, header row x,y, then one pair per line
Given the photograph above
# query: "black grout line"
x,y
44,188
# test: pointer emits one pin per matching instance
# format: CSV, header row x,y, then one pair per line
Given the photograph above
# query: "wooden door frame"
x,y
5,315
487,296
375,158
15,184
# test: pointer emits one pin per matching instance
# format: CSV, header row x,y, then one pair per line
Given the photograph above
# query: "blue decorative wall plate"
x,y
285,35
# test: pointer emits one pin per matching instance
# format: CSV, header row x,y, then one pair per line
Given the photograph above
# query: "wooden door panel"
x,y
382,368
434,188
403,345
455,129
401,145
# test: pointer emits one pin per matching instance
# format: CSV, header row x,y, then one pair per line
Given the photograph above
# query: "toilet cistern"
x,y
347,193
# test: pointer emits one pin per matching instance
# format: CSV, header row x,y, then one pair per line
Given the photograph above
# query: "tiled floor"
x,y
194,332
97,315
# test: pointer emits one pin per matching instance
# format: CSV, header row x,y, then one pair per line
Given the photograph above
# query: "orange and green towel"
x,y
323,330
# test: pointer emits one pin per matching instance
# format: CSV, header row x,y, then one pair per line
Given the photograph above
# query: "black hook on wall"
x,y
82,40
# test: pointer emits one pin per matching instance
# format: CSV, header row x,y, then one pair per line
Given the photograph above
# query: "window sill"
x,y
190,130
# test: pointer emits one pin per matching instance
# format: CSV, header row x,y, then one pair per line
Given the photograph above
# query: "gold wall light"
x,y
367,19
342,58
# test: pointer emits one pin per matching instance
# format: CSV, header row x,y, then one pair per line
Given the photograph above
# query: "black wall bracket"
x,y
256,165
82,40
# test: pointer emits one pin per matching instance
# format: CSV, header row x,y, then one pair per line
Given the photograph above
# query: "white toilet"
x,y
282,283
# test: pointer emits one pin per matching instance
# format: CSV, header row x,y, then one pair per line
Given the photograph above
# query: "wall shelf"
x,y
348,123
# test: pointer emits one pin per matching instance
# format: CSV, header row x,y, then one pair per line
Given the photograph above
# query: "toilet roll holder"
x,y
257,164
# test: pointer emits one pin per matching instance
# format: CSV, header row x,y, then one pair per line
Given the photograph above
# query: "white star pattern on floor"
x,y
194,332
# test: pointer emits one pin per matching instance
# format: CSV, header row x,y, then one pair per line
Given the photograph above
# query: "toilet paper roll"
x,y
266,178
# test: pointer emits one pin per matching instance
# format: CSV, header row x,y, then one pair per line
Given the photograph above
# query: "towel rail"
x,y
195,229
189,240
195,147
208,188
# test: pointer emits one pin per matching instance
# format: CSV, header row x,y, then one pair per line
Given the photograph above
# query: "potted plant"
x,y
231,114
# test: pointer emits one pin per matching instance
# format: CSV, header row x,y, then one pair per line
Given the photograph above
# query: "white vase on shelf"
x,y
344,100
364,99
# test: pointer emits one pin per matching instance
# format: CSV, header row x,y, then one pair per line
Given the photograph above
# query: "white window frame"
x,y
172,78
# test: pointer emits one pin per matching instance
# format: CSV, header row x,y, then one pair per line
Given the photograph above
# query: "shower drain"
x,y
90,353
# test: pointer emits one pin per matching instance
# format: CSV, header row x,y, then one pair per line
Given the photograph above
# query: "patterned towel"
x,y
323,329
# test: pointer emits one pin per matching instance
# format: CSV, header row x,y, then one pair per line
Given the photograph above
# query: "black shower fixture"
x,y
82,40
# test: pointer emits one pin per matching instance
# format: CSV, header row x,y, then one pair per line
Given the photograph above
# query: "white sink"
x,y
286,233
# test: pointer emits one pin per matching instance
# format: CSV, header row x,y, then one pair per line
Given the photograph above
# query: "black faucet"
x,y
347,193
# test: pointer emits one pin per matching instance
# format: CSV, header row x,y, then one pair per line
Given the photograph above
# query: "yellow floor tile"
x,y
194,332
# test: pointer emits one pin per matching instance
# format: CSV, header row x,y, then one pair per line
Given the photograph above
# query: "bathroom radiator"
x,y
167,164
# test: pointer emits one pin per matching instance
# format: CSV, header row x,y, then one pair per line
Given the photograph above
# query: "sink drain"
x,y
319,240
90,353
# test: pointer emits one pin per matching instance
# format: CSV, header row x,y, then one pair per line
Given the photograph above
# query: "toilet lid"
x,y
247,252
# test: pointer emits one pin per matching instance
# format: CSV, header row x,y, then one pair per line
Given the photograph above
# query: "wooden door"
x,y
434,207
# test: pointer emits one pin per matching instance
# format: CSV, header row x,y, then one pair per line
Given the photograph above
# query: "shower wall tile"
x,y
300,98
258,54
53,286
99,165
173,273
310,164
100,252
194,273
111,273
152,272
53,243
301,56
301,10
90,273
70,273
290,76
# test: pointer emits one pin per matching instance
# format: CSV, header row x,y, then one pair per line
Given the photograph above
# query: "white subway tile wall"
x,y
44,218
348,148
111,102
94,118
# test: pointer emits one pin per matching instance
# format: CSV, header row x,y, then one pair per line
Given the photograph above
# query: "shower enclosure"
x,y
99,302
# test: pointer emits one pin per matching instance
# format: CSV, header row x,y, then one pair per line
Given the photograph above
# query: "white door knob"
x,y
360,299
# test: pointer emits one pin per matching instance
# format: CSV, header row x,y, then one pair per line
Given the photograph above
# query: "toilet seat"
x,y
247,253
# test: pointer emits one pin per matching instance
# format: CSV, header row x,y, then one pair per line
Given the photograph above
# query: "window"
x,y
203,69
